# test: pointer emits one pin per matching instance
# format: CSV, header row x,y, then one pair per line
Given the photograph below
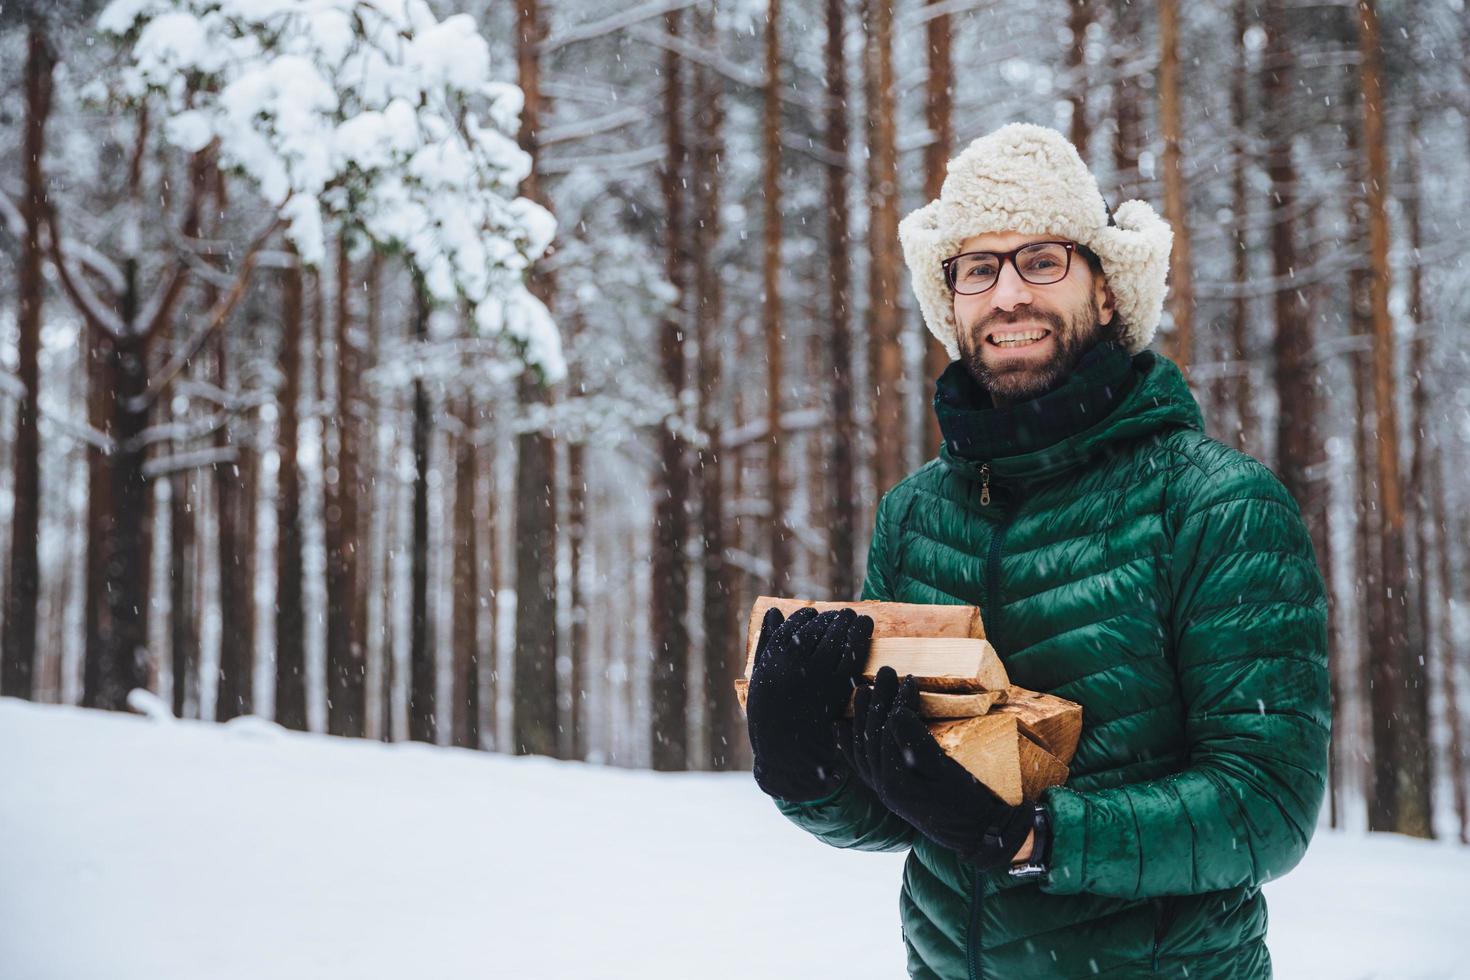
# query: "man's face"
x,y
1018,340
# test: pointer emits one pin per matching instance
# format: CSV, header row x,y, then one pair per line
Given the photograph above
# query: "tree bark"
x,y
1398,804
346,663
884,350
780,541
235,492
670,592
1127,137
23,584
1423,631
290,614
1247,423
1176,210
422,709
1079,17
723,660
536,722
939,112
466,715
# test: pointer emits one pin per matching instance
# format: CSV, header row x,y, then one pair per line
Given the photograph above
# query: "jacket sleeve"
x,y
1249,636
853,816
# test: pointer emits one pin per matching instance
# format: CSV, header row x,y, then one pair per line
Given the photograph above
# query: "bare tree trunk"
x,y
535,702
490,571
938,111
722,663
183,587
23,584
235,491
346,665
466,715
1127,98
581,676
1247,422
1398,804
290,614
780,544
670,520
1423,632
422,709
1079,17
1176,210
884,351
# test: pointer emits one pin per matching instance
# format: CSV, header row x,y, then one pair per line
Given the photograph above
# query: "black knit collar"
x,y
974,429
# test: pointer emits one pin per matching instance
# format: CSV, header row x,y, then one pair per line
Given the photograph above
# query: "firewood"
x,y
931,704
890,619
1053,723
993,749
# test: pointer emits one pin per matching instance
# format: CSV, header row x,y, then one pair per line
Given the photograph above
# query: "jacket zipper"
x,y
992,614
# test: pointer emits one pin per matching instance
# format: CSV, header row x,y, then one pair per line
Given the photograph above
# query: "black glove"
x,y
916,780
804,673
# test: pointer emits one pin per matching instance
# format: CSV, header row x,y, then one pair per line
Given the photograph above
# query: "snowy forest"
x,y
461,372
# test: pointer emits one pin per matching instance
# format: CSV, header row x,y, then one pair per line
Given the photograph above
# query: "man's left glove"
x,y
915,779
804,673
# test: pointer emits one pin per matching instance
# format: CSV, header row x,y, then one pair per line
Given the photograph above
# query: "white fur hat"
x,y
1030,180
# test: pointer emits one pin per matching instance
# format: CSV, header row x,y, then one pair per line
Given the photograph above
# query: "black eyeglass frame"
x,y
948,266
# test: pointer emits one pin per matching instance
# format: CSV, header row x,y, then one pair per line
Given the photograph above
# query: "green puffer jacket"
x,y
1166,583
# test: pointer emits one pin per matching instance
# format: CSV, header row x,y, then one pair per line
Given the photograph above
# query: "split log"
x,y
993,749
1053,723
890,619
936,705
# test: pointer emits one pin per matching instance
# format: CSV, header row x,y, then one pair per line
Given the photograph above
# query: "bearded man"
x,y
1122,560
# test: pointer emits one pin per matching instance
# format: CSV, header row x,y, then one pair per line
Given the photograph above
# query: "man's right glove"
x,y
892,749
804,672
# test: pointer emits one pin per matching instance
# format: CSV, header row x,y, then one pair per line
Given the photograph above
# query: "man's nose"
x,y
1010,289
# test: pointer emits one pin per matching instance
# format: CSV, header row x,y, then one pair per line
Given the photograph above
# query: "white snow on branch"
x,y
375,118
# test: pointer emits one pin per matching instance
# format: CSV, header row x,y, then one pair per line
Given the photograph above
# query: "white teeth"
x,y
1019,338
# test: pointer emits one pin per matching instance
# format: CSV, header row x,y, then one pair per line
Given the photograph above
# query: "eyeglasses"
x,y
1039,263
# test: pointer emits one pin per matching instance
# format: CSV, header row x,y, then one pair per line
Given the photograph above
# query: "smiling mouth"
x,y
1015,339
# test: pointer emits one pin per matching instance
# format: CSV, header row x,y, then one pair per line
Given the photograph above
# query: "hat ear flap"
x,y
1134,252
925,246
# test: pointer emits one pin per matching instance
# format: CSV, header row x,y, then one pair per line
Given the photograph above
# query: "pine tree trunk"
x,y
581,677
939,111
235,492
1176,210
1247,421
1423,632
1079,17
23,584
536,721
885,355
290,613
722,662
780,530
466,714
671,490
422,709
346,665
1399,804
1127,98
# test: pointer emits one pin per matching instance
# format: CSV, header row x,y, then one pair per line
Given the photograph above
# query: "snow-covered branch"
x,y
613,23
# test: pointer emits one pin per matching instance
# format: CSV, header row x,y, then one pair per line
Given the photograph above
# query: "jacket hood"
x,y
1157,401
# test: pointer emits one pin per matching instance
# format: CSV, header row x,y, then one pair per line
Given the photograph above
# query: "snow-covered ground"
x,y
137,850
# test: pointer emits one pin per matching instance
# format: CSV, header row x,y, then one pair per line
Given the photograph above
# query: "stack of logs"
x,y
1017,742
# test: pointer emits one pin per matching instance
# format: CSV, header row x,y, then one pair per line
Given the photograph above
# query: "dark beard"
x,y
1072,341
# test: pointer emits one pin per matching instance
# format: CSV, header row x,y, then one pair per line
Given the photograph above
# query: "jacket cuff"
x,y
1067,813
785,805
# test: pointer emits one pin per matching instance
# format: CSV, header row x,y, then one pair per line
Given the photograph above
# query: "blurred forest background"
x,y
256,483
